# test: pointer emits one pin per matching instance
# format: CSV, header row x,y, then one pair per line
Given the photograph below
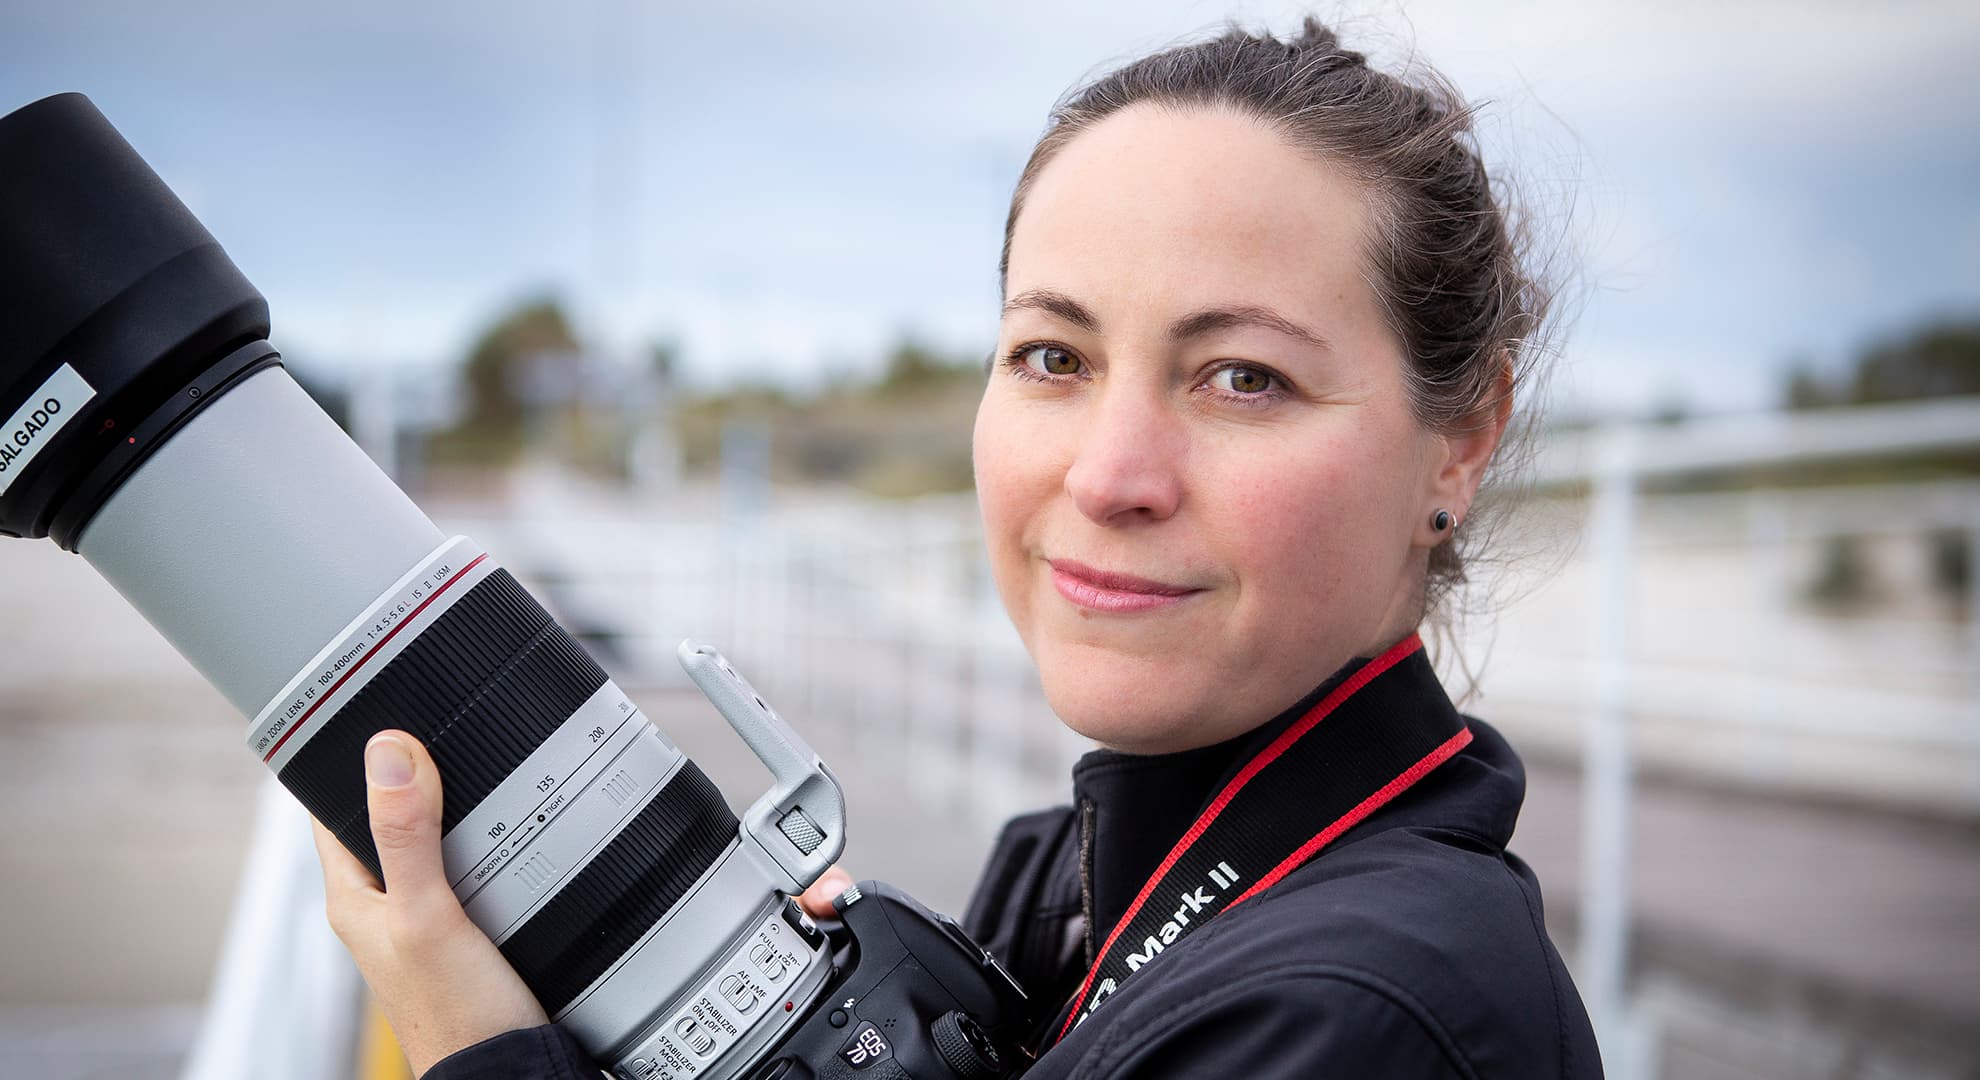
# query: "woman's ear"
x,y
1468,451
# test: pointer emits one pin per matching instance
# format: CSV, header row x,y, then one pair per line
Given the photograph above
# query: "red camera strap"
x,y
1311,784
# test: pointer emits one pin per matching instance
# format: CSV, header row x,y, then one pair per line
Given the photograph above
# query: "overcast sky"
x,y
787,188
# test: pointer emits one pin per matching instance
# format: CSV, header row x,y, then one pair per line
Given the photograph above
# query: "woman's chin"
x,y
1130,708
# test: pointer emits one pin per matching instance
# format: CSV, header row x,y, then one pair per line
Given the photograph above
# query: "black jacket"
x,y
1412,946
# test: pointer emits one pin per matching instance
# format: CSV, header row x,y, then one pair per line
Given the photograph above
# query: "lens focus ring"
x,y
487,682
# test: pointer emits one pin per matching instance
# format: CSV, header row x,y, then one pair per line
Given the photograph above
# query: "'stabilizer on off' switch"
x,y
701,1042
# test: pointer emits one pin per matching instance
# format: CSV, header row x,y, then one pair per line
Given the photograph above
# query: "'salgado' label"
x,y
54,403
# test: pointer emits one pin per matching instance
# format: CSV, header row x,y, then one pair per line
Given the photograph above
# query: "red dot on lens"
x,y
132,439
788,1006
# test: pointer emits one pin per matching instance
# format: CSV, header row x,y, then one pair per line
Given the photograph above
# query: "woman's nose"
x,y
1129,462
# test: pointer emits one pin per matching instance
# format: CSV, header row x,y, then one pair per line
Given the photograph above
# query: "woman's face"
x,y
1202,485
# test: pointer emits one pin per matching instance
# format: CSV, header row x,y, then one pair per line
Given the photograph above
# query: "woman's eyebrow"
x,y
1195,324
1054,303
1210,320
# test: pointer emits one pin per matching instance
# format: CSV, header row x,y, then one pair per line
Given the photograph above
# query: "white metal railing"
x,y
1615,462
286,999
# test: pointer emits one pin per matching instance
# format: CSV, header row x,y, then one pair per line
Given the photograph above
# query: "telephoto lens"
x,y
151,428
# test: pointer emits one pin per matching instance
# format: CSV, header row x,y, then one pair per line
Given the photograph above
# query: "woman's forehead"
x,y
1154,204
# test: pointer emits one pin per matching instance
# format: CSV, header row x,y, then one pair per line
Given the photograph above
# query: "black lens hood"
x,y
104,270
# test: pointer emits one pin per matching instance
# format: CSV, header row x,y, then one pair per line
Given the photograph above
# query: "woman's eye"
x,y
1242,380
1050,360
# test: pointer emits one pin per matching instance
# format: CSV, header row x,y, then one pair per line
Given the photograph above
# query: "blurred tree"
x,y
664,356
915,370
1936,360
1951,557
903,433
1805,389
1842,579
1670,409
528,346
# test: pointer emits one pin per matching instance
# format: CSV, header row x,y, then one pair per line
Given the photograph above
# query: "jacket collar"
x,y
1132,808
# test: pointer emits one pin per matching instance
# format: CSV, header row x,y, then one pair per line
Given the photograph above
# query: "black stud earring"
x,y
1441,521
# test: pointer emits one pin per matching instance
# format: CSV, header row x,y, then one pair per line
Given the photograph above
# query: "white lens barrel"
x,y
253,535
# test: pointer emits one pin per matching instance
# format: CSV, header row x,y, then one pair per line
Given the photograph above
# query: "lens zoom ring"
x,y
482,687
511,717
623,890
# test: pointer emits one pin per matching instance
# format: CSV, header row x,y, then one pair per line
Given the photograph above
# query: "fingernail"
x,y
386,763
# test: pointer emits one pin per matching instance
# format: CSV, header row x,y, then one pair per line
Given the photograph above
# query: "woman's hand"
x,y
441,983
817,900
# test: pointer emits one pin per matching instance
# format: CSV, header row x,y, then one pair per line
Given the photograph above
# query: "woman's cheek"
x,y
1305,531
1021,453
1008,492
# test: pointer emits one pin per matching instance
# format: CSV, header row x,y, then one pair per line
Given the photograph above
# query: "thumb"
x,y
402,792
817,900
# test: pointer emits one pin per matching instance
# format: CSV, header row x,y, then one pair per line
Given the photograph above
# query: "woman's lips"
x,y
1100,590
